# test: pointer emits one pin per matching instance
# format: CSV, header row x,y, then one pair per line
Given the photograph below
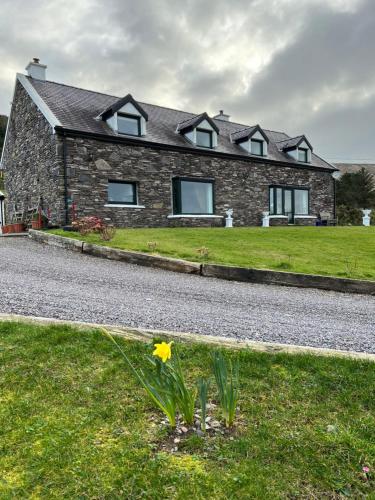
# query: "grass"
x,y
334,251
75,424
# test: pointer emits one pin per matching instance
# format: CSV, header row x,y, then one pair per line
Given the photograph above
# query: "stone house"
x,y
76,152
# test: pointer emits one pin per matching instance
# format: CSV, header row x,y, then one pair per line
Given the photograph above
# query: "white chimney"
x,y
222,116
36,70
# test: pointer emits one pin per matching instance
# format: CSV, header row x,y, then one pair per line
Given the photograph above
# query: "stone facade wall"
x,y
241,185
32,161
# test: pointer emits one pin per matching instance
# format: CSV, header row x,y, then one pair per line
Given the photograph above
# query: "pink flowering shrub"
x,y
90,224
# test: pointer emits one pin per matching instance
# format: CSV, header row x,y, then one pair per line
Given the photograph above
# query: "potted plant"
x,y
39,221
36,221
18,227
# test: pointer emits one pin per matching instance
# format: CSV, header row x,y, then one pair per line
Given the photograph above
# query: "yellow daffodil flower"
x,y
163,351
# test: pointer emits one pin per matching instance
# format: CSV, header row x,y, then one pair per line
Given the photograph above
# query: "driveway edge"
x,y
248,275
146,335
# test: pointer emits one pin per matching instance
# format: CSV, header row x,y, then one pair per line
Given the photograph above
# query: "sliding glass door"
x,y
289,201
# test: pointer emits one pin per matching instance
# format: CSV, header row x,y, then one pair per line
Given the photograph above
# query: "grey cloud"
x,y
301,66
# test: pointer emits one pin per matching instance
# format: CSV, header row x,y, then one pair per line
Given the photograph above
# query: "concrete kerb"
x,y
142,335
243,274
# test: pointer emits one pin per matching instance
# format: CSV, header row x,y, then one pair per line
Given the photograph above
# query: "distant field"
x,y
336,251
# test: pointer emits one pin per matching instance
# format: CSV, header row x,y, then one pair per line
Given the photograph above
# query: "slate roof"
x,y
292,142
191,123
111,110
247,132
77,109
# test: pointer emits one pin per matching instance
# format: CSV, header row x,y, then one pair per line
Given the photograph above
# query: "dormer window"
x,y
128,124
298,148
252,140
303,155
126,116
204,138
256,147
199,130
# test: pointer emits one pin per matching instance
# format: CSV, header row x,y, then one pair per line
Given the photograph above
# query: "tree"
x,y
356,190
3,126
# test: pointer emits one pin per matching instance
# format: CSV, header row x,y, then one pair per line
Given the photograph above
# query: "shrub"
x,y
152,245
107,233
92,224
203,252
349,216
86,225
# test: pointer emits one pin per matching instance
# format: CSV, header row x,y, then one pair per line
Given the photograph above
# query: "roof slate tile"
x,y
78,109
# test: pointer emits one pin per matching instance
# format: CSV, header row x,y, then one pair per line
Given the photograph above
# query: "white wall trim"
x,y
191,216
119,205
38,101
277,216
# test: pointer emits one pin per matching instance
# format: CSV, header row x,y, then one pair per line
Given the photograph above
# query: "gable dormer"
x,y
200,130
251,139
299,148
126,117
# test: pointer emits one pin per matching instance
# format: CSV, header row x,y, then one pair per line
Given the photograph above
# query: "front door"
x,y
288,205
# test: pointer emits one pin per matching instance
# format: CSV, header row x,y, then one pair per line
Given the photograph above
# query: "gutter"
x,y
168,147
66,204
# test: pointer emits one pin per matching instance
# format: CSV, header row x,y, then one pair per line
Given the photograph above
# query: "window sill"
x,y
305,217
190,216
119,205
277,216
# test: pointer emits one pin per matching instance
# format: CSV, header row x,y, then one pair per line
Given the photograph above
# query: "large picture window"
x,y
128,124
289,201
193,196
122,193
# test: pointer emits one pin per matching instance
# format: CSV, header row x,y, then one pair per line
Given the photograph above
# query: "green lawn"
x,y
75,424
336,251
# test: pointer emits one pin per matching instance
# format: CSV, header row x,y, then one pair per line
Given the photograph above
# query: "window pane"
x,y
272,204
203,138
279,201
302,155
301,202
127,125
196,197
288,201
121,192
257,147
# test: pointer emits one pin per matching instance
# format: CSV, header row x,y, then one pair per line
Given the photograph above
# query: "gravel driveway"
x,y
45,281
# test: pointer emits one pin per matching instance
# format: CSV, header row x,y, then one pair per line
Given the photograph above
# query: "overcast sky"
x,y
298,66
